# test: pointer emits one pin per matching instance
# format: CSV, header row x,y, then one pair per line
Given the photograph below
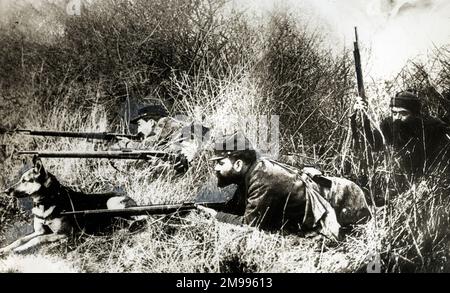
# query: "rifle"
x,y
127,154
360,142
161,209
91,135
358,68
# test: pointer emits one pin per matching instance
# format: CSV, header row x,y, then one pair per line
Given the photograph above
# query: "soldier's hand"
x,y
122,142
311,171
360,104
207,211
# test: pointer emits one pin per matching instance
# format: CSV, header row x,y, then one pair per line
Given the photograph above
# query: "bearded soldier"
x,y
420,142
275,196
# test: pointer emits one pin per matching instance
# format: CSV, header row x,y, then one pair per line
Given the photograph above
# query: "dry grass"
x,y
218,70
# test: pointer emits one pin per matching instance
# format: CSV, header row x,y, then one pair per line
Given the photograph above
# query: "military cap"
x,y
155,111
408,100
230,144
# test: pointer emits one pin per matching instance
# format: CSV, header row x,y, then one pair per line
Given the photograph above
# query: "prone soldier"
x,y
274,196
161,132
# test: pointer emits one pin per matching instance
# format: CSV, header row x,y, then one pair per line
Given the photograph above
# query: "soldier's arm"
x,y
233,211
256,207
259,201
122,143
254,214
230,218
225,217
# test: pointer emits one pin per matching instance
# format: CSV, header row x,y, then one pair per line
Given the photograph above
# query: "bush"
x,y
218,66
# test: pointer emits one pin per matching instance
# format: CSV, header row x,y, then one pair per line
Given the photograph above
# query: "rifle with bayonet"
x,y
161,209
89,135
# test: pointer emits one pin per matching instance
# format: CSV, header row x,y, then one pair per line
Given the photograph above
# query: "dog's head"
x,y
31,181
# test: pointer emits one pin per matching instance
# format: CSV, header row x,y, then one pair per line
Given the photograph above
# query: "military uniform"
x,y
420,147
165,132
274,196
426,149
171,136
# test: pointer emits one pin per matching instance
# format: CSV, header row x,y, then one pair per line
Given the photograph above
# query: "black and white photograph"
x,y
224,136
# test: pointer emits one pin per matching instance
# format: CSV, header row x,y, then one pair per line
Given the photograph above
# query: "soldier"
x,y
163,133
154,125
274,196
420,143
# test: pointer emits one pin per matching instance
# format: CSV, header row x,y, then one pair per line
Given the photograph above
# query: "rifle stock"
x,y
145,210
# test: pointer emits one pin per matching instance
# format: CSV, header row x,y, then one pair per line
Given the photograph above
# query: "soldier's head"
x,y
405,106
233,157
147,117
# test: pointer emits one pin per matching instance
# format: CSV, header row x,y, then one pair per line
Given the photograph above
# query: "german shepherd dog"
x,y
50,198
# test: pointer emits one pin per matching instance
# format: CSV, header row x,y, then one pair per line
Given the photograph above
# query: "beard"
x,y
230,178
405,131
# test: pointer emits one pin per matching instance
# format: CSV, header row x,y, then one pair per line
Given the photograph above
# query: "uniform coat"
x,y
420,148
275,196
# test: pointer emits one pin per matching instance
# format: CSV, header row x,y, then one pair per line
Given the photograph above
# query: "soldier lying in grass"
x,y
161,132
274,196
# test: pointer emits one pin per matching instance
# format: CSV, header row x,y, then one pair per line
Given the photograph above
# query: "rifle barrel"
x,y
358,67
138,210
91,135
128,154
145,210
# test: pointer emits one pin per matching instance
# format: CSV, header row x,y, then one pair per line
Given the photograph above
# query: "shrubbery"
x,y
209,62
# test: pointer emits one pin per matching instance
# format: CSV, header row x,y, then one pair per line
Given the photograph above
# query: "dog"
x,y
50,198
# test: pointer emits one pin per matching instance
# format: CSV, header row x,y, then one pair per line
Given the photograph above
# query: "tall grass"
x,y
217,66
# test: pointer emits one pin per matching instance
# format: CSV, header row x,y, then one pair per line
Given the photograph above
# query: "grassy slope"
x,y
78,80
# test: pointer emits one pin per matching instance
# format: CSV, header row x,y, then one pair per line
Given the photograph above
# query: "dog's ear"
x,y
38,166
35,159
